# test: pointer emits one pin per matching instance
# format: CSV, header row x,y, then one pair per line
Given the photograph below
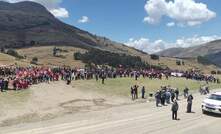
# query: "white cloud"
x,y
183,12
60,12
170,24
194,41
84,19
52,5
148,46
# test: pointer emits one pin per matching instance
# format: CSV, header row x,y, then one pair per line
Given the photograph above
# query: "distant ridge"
x,y
209,50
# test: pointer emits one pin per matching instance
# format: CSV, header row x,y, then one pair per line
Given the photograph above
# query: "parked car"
x,y
212,104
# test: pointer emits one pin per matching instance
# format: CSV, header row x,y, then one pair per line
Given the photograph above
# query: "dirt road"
x,y
142,118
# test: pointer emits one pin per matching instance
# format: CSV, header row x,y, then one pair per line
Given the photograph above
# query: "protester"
x,y
177,93
136,91
96,77
157,98
174,110
204,90
132,93
186,92
207,90
168,95
103,77
173,95
189,103
24,77
1,84
143,92
163,96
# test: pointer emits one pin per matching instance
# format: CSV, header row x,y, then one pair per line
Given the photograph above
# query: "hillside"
x,y
210,51
27,24
7,60
33,31
45,56
201,50
215,58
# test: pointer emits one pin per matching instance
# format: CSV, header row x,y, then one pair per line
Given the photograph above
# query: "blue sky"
x,y
123,19
150,25
116,19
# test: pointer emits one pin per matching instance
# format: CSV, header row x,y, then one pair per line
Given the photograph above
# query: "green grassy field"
x,y
121,86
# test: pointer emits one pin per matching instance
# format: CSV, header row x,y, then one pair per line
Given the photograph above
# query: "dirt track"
x,y
142,118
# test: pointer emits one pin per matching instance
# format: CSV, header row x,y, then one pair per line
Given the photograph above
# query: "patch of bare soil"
x,y
48,101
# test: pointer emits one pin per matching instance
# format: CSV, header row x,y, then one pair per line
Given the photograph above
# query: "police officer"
x,y
189,103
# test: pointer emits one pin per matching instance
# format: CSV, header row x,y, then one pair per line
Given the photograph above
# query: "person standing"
x,y
143,92
207,90
163,97
186,92
103,77
132,92
168,96
136,91
174,110
177,94
172,95
68,79
2,84
96,77
136,75
189,103
6,81
157,98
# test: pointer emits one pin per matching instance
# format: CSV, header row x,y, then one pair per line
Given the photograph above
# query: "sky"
x,y
148,25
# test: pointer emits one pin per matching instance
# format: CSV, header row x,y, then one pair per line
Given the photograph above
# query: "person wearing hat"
x,y
174,110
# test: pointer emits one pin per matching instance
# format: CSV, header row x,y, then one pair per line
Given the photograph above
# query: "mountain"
x,y
27,24
33,31
201,50
214,58
211,51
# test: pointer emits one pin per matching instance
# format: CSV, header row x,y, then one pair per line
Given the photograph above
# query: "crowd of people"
x,y
22,78
104,73
204,90
134,92
167,95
